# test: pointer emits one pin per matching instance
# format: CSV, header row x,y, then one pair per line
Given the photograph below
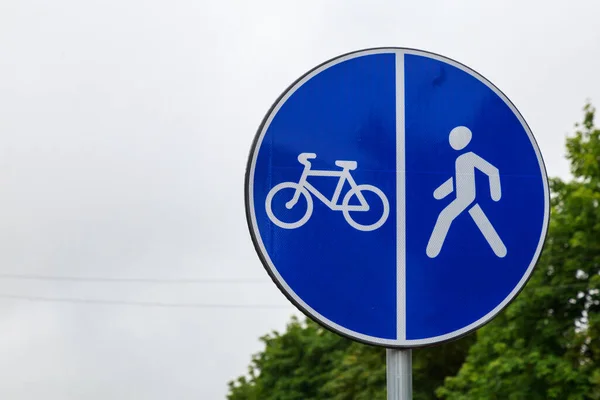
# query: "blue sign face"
x,y
397,197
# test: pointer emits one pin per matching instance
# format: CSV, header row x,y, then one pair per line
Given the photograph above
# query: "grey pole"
x,y
399,374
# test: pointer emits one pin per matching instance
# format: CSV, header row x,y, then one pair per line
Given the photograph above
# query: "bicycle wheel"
x,y
365,188
289,185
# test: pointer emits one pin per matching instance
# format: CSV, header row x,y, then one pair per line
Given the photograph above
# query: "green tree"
x,y
310,363
546,344
294,365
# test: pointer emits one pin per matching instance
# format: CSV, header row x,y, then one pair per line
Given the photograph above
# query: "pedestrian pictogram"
x,y
464,182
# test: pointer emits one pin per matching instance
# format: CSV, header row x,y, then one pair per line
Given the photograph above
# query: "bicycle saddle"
x,y
346,164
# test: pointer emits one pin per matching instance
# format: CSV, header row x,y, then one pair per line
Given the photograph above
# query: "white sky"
x,y
124,131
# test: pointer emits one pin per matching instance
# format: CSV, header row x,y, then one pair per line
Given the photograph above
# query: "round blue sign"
x,y
397,197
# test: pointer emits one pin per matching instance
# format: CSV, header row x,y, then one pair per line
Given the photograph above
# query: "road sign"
x,y
397,197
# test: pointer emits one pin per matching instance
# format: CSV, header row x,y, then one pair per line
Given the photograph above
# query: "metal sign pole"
x,y
399,374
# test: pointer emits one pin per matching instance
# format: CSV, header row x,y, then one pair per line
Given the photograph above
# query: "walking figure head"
x,y
460,137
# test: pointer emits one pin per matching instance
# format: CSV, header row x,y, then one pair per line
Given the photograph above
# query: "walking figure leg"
x,y
486,227
442,225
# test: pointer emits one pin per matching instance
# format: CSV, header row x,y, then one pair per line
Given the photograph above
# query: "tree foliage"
x,y
307,362
294,365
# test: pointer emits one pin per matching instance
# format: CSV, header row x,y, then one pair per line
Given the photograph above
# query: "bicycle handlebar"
x,y
304,157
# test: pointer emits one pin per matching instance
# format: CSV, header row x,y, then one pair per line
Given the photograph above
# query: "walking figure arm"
x,y
494,175
443,190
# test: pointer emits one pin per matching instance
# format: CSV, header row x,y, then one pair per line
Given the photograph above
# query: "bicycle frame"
x,y
344,175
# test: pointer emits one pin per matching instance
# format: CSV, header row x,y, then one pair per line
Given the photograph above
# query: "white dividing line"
x,y
400,202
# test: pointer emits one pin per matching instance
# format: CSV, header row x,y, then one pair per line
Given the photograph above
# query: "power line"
x,y
193,280
141,303
176,305
132,280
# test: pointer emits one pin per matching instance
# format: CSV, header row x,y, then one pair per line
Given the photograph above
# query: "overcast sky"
x,y
124,131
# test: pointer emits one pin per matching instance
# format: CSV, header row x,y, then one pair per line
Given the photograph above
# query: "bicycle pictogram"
x,y
305,188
